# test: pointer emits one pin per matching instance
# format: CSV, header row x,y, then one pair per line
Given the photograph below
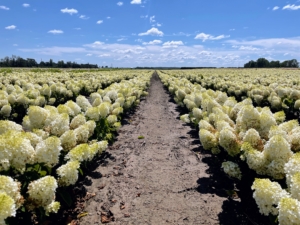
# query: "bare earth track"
x,y
164,178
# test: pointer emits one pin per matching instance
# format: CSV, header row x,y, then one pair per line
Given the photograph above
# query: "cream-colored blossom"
x,y
41,192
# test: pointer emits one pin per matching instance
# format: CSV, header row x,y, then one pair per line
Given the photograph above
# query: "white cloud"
x,y
154,42
291,7
136,2
249,48
144,17
89,54
121,39
70,11
152,19
26,5
55,32
84,17
15,44
153,31
158,24
11,27
172,44
120,3
204,37
108,17
4,7
232,29
104,55
275,8
99,21
77,28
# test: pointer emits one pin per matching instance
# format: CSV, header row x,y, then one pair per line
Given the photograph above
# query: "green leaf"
x,y
141,137
43,173
80,171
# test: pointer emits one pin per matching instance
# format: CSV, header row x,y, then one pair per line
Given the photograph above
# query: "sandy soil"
x,y
164,178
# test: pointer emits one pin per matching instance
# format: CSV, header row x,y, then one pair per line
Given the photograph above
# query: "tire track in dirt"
x,y
158,179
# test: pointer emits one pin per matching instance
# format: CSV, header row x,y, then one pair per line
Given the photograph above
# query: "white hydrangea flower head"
x,y
198,99
33,138
237,107
248,117
294,139
5,110
6,125
295,186
93,113
83,102
82,134
254,158
75,108
53,207
275,130
41,133
113,95
232,169
277,148
68,173
48,151
19,148
41,192
289,211
104,109
117,111
91,125
253,138
203,124
11,188
111,119
289,126
94,96
208,140
106,99
297,104
267,120
292,167
120,100
97,102
80,153
189,104
77,121
65,109
51,101
185,118
7,207
60,124
267,194
68,140
197,113
115,105
229,141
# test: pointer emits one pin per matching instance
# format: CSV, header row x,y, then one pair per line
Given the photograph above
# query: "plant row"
x,y
277,89
45,154
247,134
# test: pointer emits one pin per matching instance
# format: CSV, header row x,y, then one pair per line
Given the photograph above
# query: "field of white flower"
x,y
51,126
248,117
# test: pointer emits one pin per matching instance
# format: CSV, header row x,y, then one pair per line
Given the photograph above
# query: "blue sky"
x,y
129,33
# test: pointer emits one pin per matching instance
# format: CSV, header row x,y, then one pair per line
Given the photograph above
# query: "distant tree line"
x,y
17,61
264,63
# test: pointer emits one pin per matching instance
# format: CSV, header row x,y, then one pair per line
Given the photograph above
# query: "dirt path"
x,y
159,179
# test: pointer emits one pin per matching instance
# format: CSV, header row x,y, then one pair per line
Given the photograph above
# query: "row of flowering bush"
x,y
22,89
269,145
43,155
278,89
